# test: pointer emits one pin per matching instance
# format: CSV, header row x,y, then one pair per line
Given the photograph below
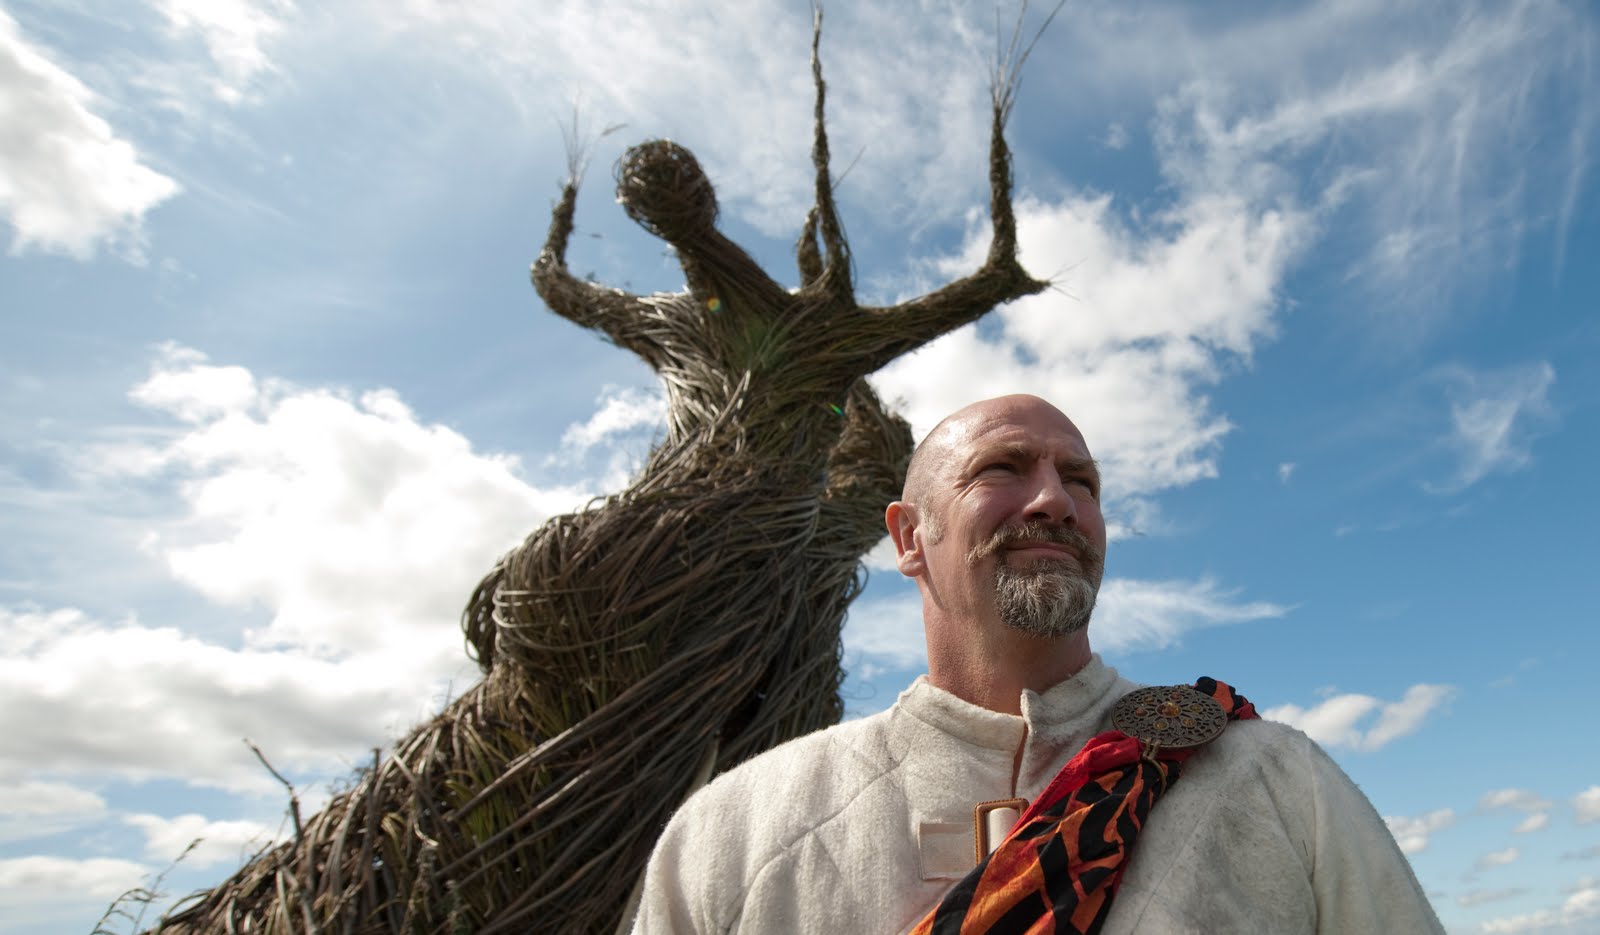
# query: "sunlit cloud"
x,y
1577,912
39,879
1521,800
342,536
1496,859
69,184
1412,834
1363,722
198,840
1587,805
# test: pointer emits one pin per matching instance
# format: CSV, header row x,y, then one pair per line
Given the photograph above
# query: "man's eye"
x,y
1005,466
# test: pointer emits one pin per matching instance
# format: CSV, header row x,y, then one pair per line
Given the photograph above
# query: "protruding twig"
x,y
824,218
308,889
294,798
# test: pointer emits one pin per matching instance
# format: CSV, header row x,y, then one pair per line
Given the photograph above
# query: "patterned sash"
x,y
1059,867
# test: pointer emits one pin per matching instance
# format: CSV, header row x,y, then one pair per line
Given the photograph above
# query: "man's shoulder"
x,y
1261,745
802,781
1271,759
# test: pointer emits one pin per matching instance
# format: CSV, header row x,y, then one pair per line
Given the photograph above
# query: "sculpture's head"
x,y
662,187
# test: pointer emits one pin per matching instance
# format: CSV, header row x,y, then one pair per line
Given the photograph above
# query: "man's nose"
x,y
1052,502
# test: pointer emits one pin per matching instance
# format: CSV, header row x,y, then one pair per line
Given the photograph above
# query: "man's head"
x,y
1000,519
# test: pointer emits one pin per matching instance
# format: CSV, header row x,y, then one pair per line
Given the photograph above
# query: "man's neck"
x,y
993,671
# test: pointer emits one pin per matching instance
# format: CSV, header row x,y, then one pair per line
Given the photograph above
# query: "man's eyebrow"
x,y
1082,467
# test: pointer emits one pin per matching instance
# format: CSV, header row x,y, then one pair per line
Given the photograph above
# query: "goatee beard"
x,y
1047,597
1045,600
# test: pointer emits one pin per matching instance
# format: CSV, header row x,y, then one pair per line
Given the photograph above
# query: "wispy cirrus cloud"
x,y
1495,417
235,33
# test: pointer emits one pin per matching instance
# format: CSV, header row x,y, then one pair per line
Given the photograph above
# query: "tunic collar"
x,y
1056,707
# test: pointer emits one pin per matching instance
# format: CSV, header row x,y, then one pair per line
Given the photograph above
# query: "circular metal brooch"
x,y
1174,717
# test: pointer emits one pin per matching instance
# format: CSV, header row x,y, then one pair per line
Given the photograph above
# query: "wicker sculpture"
x,y
664,633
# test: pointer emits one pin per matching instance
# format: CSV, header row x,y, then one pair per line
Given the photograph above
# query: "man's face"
x,y
1016,532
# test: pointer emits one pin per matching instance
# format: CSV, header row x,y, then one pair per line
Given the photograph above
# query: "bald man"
x,y
866,826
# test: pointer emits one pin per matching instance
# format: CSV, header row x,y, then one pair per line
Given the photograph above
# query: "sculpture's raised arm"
x,y
618,315
907,326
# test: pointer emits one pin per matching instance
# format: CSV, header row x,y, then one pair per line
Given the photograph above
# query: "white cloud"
x,y
1116,137
1479,897
882,557
921,133
1412,833
195,391
1362,722
68,183
357,529
1522,800
1130,615
219,842
35,809
1133,614
360,527
1154,317
622,409
1587,805
139,702
626,422
1412,132
1286,471
44,799
37,879
1577,912
235,33
1496,859
886,632
1490,417
1538,821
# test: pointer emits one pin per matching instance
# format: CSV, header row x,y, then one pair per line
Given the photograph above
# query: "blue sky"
x,y
275,391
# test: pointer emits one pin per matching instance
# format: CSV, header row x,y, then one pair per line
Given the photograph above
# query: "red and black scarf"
x,y
1058,869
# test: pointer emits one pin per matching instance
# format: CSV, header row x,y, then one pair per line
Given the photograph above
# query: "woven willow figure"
x,y
665,633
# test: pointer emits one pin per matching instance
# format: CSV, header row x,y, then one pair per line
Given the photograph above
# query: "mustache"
x,y
1088,555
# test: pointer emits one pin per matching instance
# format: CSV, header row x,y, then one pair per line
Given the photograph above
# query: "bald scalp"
x,y
926,459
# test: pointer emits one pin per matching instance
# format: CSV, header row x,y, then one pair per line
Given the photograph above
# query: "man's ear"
x,y
901,518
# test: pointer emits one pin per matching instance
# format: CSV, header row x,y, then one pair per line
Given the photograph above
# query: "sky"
x,y
275,391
